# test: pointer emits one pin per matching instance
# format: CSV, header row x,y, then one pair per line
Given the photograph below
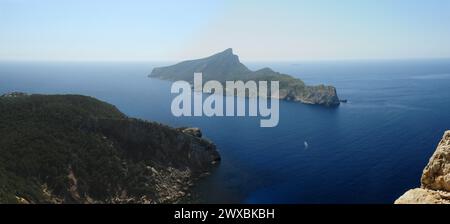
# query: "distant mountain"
x,y
76,149
225,66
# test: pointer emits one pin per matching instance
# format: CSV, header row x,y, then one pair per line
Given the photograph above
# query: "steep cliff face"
x,y
321,95
225,66
435,187
76,149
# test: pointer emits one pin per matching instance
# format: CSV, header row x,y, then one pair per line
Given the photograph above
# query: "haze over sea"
x,y
369,150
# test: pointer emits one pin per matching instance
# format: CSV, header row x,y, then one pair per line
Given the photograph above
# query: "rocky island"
x,y
435,181
225,66
77,149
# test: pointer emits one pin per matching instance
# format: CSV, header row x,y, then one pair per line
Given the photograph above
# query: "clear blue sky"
x,y
256,30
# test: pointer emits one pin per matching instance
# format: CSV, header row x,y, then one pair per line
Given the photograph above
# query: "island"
x,y
77,149
225,66
435,181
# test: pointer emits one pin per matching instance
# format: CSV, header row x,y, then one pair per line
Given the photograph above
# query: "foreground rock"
x,y
76,149
424,196
196,132
225,66
435,188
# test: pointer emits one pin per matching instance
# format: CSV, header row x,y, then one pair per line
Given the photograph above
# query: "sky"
x,y
257,30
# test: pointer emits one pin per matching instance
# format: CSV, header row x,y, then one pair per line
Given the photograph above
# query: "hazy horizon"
x,y
312,60
324,30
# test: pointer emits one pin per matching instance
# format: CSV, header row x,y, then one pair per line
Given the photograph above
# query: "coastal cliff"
x,y
77,149
435,181
225,66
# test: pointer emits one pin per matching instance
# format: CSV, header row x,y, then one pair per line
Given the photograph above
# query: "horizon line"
x,y
245,60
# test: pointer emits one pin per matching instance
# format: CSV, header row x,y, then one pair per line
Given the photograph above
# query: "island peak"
x,y
225,66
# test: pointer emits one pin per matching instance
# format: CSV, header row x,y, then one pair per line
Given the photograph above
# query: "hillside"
x,y
76,149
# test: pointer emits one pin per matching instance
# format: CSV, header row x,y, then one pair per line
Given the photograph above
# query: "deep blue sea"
x,y
369,150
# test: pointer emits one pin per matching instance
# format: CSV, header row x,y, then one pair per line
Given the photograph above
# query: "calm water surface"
x,y
369,150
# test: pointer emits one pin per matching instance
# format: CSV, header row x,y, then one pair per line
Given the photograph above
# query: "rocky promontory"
x,y
435,181
77,149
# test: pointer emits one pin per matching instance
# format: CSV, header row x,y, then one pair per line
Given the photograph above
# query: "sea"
x,y
369,150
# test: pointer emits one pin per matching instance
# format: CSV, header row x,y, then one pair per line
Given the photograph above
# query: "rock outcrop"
x,y
196,132
225,66
435,187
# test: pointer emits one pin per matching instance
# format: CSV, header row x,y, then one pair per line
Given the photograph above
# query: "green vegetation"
x,y
76,149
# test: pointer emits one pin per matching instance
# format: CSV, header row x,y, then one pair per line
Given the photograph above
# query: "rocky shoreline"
x,y
79,150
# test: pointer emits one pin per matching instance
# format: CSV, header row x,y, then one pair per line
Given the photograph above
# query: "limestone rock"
x,y
436,175
424,196
435,179
196,132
